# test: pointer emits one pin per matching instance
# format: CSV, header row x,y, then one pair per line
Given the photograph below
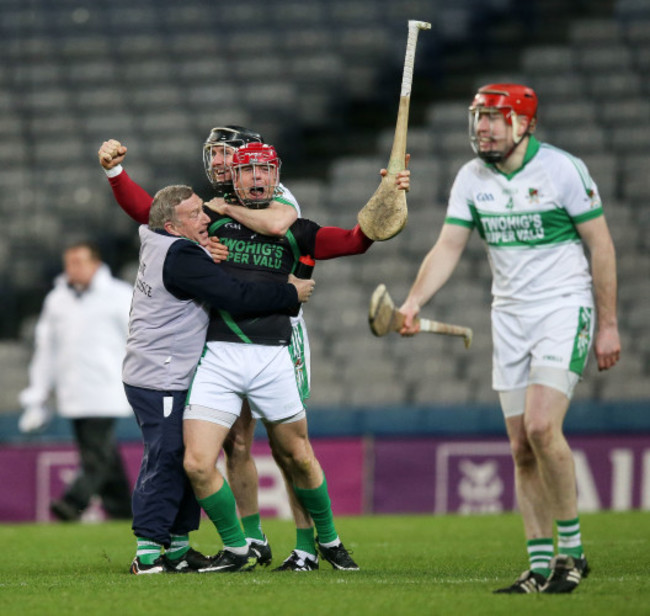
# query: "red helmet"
x,y
513,101
507,98
252,153
255,188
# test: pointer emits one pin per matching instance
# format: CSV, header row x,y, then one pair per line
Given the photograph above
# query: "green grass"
x,y
411,565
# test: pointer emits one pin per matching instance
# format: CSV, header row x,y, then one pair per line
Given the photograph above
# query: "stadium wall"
x,y
397,460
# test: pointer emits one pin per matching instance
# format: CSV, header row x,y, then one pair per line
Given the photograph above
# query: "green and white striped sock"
x,y
569,540
540,552
147,550
179,546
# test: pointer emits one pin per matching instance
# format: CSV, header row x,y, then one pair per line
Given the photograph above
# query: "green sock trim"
x,y
222,511
305,540
253,527
147,550
179,546
540,552
569,540
317,503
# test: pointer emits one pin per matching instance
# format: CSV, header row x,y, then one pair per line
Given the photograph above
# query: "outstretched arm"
x,y
332,242
435,270
132,198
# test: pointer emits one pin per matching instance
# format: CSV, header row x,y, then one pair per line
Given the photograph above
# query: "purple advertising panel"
x,y
430,475
476,475
32,475
421,475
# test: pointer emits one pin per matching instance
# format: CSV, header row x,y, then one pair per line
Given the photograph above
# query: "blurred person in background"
x,y
536,207
80,340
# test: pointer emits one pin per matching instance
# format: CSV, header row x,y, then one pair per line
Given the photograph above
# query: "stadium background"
x,y
320,80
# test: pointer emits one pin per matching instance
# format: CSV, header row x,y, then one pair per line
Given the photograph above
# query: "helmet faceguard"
x,y
219,148
512,101
255,172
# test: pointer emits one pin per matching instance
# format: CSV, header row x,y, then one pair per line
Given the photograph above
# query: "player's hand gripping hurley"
x,y
384,318
385,214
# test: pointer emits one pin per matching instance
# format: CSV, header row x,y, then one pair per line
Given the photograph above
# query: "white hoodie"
x,y
80,342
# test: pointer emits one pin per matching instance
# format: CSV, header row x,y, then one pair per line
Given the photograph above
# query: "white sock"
x,y
331,544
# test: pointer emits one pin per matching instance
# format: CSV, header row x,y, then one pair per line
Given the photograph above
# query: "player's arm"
x,y
132,198
332,242
596,236
188,272
436,268
273,221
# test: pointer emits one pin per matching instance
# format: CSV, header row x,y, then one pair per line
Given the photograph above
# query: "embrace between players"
x,y
252,352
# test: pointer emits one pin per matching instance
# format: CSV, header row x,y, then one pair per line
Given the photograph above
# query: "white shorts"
x,y
544,336
228,372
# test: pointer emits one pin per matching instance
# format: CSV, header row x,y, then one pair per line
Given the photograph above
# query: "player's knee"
x,y
539,431
281,459
302,461
196,467
522,452
237,450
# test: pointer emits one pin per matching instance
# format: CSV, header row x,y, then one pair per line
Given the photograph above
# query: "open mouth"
x,y
203,237
257,192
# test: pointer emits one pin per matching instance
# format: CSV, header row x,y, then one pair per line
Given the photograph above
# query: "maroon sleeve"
x,y
133,199
334,242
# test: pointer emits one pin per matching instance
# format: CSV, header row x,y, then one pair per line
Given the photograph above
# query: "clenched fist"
x,y
111,153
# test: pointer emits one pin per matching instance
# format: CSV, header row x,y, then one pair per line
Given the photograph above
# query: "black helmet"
x,y
231,136
234,136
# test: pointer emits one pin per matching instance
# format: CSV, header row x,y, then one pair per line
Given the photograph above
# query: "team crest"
x,y
593,197
533,195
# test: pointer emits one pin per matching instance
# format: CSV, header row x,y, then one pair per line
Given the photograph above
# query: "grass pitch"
x,y
411,565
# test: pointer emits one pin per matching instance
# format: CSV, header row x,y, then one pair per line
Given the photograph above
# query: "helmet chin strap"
x,y
236,197
262,205
223,189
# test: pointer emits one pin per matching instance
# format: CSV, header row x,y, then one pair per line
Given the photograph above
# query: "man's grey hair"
x,y
163,207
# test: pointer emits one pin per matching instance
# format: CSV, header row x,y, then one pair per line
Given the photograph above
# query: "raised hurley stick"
x,y
383,318
385,214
